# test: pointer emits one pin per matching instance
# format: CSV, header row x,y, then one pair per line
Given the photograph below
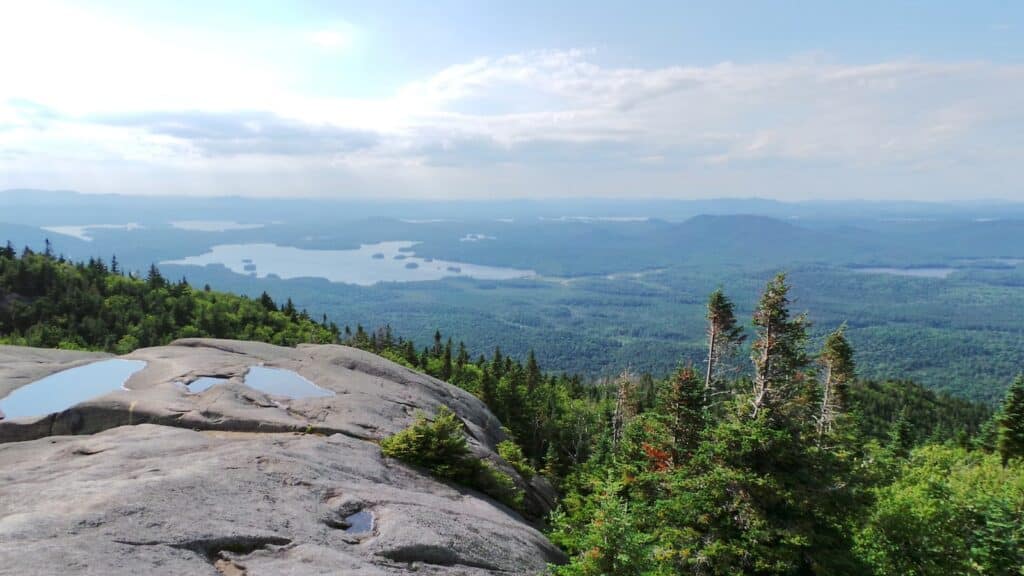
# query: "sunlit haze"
x,y
483,100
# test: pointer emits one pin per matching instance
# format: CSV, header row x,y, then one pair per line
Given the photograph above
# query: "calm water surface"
x,y
366,265
912,272
283,383
60,391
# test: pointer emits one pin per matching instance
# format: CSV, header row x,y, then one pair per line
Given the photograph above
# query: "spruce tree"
x,y
724,336
437,344
533,374
901,436
838,371
682,402
1011,423
778,352
446,363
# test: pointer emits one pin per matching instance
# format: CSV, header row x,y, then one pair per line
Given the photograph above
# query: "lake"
x,y
82,232
62,390
212,225
367,265
912,272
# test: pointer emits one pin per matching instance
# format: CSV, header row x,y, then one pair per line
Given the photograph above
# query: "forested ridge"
x,y
46,301
780,462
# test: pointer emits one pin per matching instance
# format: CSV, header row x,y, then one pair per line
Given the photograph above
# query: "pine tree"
x,y
154,278
436,351
838,371
778,352
625,407
682,402
446,364
1011,423
533,374
724,336
901,436
268,303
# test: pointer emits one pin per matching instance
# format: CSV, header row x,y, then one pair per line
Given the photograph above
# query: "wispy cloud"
x,y
535,123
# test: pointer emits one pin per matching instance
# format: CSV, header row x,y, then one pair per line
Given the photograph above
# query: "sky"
x,y
527,99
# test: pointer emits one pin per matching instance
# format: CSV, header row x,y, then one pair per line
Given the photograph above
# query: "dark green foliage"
x,y
49,302
929,415
724,335
778,354
513,454
1011,423
950,511
797,488
838,371
439,445
681,401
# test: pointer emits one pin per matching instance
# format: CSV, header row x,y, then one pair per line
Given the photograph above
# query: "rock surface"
x,y
20,365
232,481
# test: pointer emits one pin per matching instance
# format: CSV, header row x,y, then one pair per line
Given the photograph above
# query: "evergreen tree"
x,y
436,351
901,436
446,362
838,371
724,336
1011,423
268,303
533,374
682,403
154,278
625,406
778,352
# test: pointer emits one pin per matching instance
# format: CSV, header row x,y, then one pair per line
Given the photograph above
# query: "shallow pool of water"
x,y
62,390
359,523
204,383
280,382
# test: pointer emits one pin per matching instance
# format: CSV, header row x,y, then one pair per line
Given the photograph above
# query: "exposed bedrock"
x,y
231,480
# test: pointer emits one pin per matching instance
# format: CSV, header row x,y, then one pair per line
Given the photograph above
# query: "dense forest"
x,y
765,458
46,301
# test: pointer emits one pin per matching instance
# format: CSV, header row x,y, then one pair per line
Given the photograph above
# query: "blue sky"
x,y
460,99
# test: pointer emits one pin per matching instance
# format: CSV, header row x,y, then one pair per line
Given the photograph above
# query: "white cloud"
x,y
97,95
336,38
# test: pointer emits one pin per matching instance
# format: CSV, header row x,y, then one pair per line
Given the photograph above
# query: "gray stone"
x,y
234,481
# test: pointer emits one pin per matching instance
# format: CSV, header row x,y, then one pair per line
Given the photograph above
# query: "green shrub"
x,y
513,454
439,445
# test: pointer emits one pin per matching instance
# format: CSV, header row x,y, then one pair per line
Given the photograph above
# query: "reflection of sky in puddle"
x,y
204,383
359,523
366,265
60,391
283,383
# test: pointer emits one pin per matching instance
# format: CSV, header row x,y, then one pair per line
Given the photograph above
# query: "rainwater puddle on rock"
x,y
281,382
359,523
204,383
62,390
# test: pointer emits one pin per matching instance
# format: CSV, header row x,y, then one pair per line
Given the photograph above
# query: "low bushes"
x,y
439,445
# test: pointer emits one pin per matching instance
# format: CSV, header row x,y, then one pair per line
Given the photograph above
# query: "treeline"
x,y
555,419
46,301
777,473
